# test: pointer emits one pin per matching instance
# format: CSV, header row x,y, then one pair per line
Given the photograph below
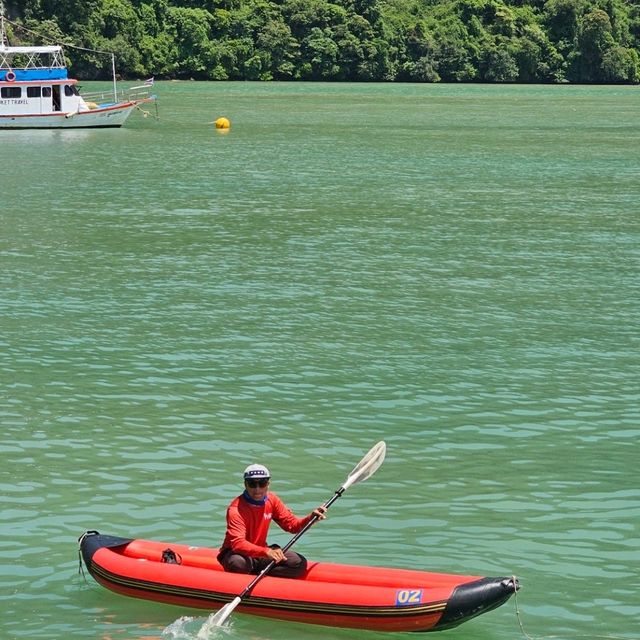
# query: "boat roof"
x,y
46,57
48,49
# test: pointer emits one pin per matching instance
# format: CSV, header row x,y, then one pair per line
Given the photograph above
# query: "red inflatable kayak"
x,y
336,595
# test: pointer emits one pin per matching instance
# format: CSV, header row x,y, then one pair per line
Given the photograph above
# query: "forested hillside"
x,y
579,41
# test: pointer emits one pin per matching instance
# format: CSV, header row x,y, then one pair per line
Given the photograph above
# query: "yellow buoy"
x,y
222,123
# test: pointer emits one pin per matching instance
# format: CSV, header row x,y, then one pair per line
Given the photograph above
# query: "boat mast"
x,y
113,71
3,35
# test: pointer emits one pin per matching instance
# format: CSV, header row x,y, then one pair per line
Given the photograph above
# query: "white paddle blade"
x,y
368,465
221,617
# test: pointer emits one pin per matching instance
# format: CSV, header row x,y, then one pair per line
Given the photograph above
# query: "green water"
x,y
453,269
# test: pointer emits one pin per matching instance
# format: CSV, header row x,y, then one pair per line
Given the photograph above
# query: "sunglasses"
x,y
257,483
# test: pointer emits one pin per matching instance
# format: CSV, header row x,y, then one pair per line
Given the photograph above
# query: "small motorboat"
x,y
337,595
37,93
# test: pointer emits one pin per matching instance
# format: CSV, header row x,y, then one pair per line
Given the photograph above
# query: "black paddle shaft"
x,y
291,542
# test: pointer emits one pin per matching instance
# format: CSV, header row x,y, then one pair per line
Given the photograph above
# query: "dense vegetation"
x,y
587,41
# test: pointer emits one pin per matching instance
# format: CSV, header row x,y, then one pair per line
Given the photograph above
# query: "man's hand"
x,y
320,513
276,554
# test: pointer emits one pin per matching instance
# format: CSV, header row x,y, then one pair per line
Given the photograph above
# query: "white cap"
x,y
256,471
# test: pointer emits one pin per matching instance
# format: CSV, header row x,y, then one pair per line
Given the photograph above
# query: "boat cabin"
x,y
34,97
34,80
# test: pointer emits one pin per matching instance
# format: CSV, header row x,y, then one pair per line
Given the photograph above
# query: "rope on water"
x,y
146,113
80,564
518,616
528,637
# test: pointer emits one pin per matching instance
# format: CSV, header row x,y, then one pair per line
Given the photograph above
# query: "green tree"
x,y
453,61
561,18
498,65
536,57
621,65
321,54
190,28
593,42
281,49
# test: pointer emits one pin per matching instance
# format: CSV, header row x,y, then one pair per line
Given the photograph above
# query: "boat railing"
x,y
141,92
130,94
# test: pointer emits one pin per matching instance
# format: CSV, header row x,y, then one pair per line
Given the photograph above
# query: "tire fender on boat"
x,y
10,76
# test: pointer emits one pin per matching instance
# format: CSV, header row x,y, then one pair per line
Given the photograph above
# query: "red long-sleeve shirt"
x,y
248,524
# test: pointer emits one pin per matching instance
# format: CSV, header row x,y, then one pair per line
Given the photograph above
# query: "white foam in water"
x,y
209,629
188,628
178,630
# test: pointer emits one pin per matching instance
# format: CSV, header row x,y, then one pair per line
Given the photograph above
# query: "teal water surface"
x,y
453,269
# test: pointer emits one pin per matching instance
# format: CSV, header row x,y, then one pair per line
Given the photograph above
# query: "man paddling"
x,y
245,548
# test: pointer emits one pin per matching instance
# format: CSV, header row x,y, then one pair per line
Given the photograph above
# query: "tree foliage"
x,y
586,41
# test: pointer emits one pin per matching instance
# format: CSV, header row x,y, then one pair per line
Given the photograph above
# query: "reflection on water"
x,y
44,138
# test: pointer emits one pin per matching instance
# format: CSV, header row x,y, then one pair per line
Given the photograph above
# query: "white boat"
x,y
37,93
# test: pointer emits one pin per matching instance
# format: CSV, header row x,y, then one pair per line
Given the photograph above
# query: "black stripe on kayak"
x,y
267,603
